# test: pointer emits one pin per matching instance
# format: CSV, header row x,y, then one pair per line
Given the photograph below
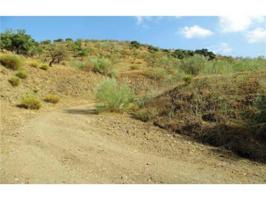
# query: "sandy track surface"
x,y
74,145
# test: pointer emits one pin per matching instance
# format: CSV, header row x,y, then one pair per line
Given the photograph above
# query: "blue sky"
x,y
232,35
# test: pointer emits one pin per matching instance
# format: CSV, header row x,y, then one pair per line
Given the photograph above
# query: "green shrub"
x,y
82,52
10,61
44,67
30,102
22,74
51,98
193,65
101,65
14,81
114,96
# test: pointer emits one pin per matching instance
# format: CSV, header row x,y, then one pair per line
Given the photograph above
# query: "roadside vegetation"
x,y
114,96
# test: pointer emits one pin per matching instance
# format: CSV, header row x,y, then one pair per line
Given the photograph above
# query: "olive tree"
x,y
18,41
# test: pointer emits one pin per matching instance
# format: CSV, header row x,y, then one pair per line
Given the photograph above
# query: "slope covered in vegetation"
x,y
215,99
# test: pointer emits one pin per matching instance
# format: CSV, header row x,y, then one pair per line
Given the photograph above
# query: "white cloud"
x,y
239,23
222,48
142,19
257,35
195,32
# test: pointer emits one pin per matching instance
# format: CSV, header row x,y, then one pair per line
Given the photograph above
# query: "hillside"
x,y
90,111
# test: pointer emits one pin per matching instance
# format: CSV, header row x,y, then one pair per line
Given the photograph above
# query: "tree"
x,y
56,54
135,44
17,41
59,40
206,53
46,42
69,40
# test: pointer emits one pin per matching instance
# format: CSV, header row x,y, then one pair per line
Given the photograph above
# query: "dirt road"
x,y
73,145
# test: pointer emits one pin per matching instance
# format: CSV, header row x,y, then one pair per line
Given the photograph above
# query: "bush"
x,y
51,98
114,96
44,67
22,74
34,64
30,102
17,41
10,61
14,81
193,65
102,66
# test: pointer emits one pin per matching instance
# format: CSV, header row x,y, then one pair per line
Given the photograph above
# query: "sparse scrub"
x,y
14,81
10,61
22,74
113,96
51,98
30,102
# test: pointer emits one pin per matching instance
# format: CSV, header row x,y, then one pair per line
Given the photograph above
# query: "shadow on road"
x,y
82,111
